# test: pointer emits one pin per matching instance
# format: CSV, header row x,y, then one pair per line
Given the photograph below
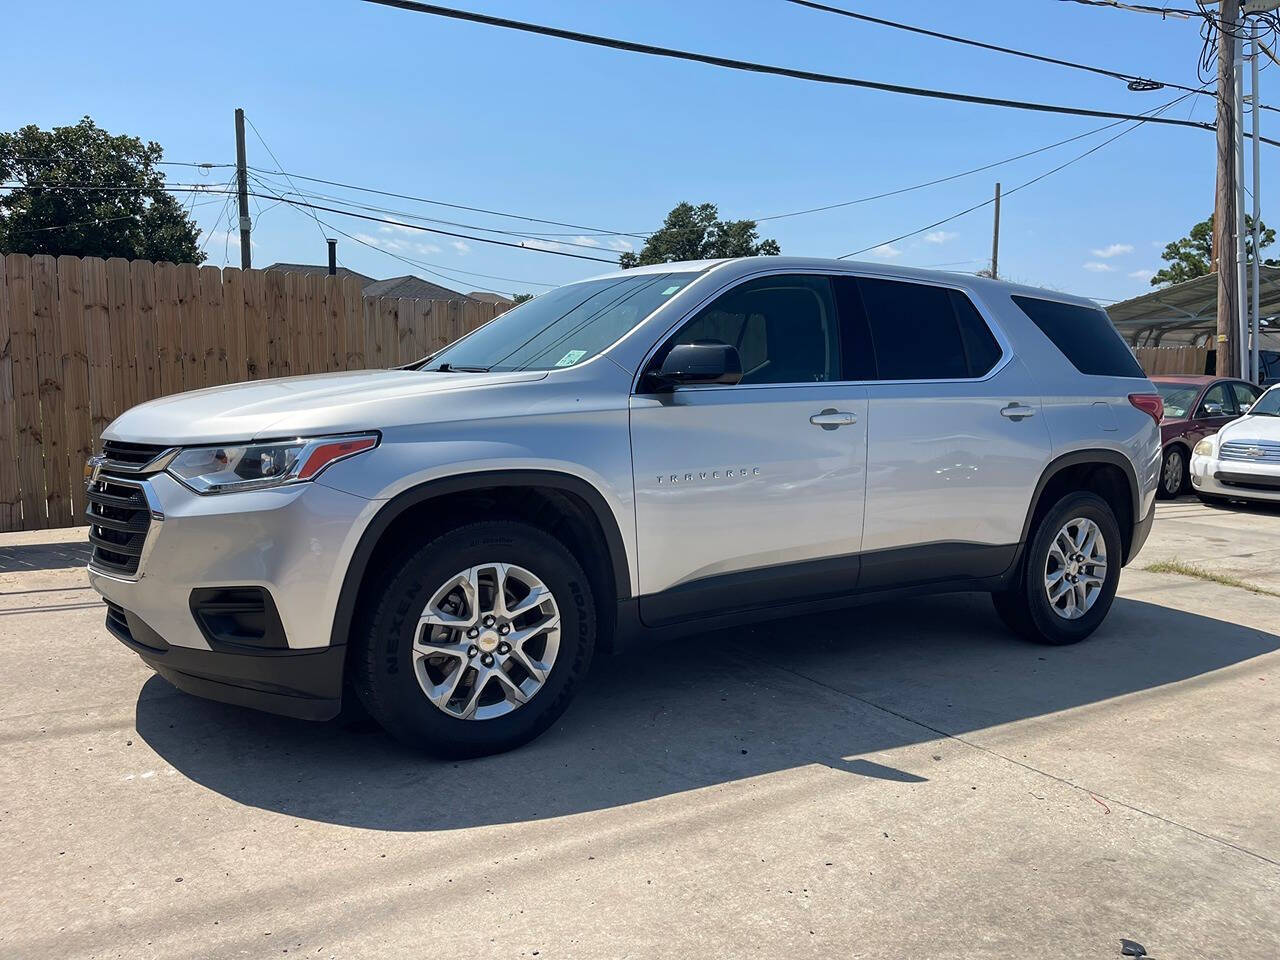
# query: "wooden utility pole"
x,y
1224,208
242,187
995,236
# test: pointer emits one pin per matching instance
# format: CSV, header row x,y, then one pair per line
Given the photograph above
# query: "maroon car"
x,y
1195,407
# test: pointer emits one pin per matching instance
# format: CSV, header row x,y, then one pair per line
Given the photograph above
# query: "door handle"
x,y
831,418
1016,411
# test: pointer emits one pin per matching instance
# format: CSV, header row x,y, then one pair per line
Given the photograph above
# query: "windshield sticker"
x,y
570,358
671,289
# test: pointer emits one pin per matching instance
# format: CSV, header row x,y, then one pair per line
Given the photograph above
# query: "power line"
x,y
312,195
345,213
1136,82
1033,180
425,265
273,156
755,67
946,179
456,206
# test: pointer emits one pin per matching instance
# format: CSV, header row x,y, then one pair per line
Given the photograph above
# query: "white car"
x,y
1242,460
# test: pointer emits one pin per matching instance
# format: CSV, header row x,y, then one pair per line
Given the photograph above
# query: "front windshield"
x,y
563,327
1268,404
1177,398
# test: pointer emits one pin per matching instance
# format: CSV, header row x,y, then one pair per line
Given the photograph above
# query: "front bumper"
x,y
306,684
1238,479
295,543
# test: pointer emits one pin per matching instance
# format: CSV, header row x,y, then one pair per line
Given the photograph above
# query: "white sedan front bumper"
x,y
1238,479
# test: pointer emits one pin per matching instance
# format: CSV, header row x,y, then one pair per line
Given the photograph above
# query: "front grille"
x,y
119,518
1250,451
129,456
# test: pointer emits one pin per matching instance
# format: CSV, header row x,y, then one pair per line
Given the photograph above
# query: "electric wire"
x,y
750,66
1015,189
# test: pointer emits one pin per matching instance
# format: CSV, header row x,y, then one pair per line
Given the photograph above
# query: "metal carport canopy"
x,y
1186,313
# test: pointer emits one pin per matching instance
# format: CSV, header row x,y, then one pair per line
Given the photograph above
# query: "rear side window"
x,y
897,330
1084,335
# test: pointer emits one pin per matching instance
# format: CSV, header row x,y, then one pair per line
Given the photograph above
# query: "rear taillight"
x,y
1149,403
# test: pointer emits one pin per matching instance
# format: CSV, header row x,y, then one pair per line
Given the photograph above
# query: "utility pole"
x,y
1224,210
1256,99
242,187
1242,260
333,256
995,236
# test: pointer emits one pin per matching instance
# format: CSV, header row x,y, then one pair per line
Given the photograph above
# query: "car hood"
x,y
1251,427
295,406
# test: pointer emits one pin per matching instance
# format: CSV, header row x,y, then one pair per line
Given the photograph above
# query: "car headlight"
x,y
251,466
1204,448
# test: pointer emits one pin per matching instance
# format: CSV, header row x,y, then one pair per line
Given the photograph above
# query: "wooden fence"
x,y
1180,359
85,339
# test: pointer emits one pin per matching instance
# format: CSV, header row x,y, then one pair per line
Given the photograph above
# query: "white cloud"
x,y
886,251
1113,250
1141,274
461,246
426,248
397,228
939,236
587,241
617,243
1096,267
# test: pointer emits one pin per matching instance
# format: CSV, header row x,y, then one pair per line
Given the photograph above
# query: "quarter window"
x,y
784,328
1084,335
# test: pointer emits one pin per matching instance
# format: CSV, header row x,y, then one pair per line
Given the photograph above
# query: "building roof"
x,y
414,288
494,298
1187,313
315,268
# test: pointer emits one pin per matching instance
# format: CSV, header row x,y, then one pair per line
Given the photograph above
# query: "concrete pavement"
x,y
899,780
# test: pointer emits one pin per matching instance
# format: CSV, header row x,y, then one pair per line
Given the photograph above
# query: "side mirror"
x,y
1213,409
694,363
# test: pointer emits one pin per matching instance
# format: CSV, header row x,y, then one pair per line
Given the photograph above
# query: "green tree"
x,y
520,298
1192,256
124,212
698,233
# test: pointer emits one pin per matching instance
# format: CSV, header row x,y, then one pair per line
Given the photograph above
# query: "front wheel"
x,y
478,640
1069,573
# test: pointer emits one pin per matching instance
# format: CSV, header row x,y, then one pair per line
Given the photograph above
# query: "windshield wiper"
x,y
450,368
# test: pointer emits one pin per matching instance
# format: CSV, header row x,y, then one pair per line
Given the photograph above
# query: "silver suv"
x,y
667,449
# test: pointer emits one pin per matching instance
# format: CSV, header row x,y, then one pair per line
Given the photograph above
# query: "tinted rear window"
x,y
898,330
1084,335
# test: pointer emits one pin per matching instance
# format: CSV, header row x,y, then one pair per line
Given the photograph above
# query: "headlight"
x,y
251,466
1204,448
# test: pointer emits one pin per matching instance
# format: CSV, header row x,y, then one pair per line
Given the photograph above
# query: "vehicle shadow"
x,y
678,716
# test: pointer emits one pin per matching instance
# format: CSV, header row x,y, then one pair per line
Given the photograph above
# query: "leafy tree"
x,y
520,298
698,233
126,211
1192,256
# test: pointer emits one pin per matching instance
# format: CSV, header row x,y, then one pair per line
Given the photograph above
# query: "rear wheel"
x,y
478,641
1069,573
1174,476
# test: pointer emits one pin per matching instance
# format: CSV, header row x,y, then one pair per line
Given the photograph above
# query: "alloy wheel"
x,y
486,641
1076,568
1171,478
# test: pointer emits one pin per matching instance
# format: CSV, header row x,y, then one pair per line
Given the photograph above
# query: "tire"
x,y
1026,608
392,676
1175,473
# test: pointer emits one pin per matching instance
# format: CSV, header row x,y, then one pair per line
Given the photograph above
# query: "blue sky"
x,y
469,114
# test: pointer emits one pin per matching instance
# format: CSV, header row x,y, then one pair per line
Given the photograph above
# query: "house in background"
x,y
497,299
414,288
